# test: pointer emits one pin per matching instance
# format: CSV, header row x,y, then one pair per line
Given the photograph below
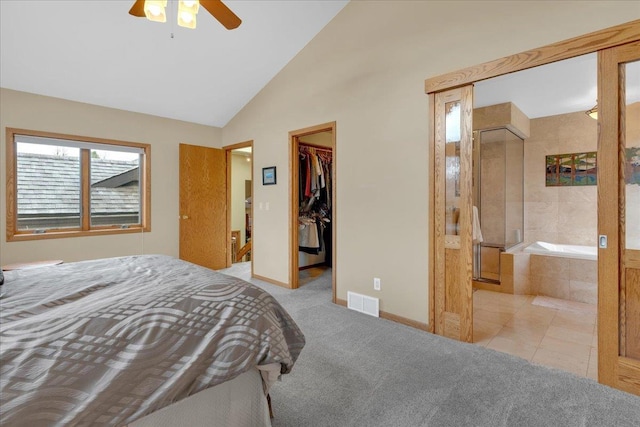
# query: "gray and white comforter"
x,y
106,342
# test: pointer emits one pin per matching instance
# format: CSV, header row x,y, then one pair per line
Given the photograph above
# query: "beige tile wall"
x,y
514,274
559,214
564,278
492,206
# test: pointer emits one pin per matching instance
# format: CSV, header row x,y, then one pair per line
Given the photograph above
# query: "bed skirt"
x,y
240,402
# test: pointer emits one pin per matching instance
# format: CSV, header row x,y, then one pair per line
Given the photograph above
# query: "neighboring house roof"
x,y
49,185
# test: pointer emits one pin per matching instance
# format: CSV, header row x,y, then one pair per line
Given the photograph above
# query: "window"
x,y
64,185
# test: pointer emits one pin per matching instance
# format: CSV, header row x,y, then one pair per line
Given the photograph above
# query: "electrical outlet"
x,y
376,283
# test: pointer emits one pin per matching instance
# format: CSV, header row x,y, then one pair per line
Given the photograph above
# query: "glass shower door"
x,y
499,198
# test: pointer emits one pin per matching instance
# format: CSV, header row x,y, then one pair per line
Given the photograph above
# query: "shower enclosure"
x,y
498,194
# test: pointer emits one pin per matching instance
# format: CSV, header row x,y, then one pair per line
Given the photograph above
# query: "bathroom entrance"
x,y
612,344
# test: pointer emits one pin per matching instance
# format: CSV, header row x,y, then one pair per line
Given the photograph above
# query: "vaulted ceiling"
x,y
93,51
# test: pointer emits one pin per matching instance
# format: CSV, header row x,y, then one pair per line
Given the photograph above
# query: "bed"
x,y
140,340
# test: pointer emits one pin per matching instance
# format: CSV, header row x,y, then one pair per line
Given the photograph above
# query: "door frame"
x,y
616,263
228,150
211,159
453,254
589,43
294,185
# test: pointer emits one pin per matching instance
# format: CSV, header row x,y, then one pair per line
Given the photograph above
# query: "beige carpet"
x,y
362,371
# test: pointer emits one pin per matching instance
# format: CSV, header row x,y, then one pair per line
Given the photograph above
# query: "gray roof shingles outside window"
x,y
50,185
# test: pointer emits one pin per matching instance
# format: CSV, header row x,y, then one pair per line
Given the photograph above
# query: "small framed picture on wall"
x,y
269,175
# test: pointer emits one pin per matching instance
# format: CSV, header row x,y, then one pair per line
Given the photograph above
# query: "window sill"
x,y
20,237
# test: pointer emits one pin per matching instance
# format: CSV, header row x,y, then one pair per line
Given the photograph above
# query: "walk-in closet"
x,y
313,205
314,211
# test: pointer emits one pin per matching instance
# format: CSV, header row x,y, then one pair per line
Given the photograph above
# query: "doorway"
x,y
239,200
203,206
313,204
541,307
618,265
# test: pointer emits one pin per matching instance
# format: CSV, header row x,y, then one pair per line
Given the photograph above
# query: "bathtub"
x,y
568,272
566,251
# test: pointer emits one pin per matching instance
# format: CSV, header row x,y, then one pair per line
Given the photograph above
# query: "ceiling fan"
x,y
154,11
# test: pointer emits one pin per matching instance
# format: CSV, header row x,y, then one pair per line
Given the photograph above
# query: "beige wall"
x,y
566,215
34,112
366,71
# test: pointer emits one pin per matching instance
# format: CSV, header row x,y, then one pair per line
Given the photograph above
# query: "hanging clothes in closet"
x,y
315,195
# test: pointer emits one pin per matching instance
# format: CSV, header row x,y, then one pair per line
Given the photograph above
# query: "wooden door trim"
x,y
431,207
437,217
238,145
294,137
453,262
228,151
613,369
587,43
608,260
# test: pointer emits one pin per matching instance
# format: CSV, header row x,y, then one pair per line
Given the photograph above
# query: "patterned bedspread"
x,y
106,342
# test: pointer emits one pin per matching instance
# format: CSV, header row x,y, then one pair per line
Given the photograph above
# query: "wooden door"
x,y
452,198
203,206
619,217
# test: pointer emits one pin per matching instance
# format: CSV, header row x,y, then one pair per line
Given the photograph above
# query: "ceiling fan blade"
x,y
222,13
137,9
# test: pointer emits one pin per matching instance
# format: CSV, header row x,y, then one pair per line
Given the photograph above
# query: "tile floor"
x,y
547,331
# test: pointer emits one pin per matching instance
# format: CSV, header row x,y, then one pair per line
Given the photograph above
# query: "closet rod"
x,y
317,147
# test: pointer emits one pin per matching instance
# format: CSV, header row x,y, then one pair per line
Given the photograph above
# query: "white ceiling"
x,y
557,88
93,51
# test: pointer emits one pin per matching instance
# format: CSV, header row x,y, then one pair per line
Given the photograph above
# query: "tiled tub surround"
x,y
565,278
515,272
555,276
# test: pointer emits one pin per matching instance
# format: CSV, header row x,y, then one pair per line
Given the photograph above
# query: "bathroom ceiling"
x,y
561,87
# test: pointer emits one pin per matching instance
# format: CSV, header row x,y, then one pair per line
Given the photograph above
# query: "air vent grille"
x,y
363,304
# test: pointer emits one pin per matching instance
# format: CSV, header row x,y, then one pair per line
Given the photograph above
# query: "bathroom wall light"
x,y
593,113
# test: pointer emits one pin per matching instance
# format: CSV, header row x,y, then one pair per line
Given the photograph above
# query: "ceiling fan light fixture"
x,y
190,4
187,20
155,11
187,11
593,113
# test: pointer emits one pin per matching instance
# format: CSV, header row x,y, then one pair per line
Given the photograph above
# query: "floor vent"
x,y
363,304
